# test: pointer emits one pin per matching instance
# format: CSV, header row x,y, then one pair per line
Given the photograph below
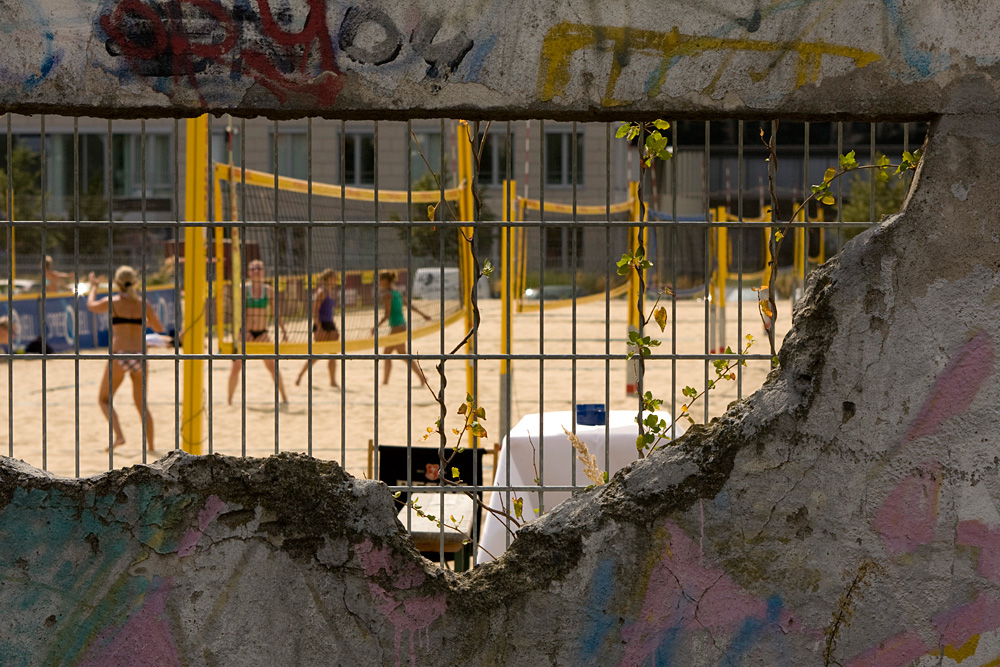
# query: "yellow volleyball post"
x,y
196,210
506,284
465,258
722,242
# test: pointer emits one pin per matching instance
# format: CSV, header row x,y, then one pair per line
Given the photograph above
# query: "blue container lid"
x,y
591,414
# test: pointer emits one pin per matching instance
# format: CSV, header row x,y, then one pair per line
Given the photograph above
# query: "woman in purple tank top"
x,y
324,323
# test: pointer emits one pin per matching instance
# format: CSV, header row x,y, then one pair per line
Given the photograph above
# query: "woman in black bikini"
x,y
324,326
127,335
257,298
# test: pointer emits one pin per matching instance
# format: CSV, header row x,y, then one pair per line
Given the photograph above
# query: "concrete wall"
x,y
503,59
844,514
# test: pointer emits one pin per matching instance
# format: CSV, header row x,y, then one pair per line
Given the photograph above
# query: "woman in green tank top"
x,y
257,300
392,304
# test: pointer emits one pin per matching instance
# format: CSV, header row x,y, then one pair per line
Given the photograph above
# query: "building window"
x,y
220,147
559,158
425,150
497,163
127,165
293,154
359,159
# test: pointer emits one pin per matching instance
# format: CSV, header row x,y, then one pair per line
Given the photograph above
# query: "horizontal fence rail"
x,y
322,287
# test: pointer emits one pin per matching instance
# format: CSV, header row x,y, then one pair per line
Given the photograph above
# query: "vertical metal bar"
x,y
212,287
144,414
574,230
739,254
674,236
870,175
45,288
542,251
709,306
607,293
76,297
274,285
177,285
10,281
111,273
375,259
807,227
840,190
242,333
343,291
310,324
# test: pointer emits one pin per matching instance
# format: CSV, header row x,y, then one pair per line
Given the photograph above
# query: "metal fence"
x,y
547,334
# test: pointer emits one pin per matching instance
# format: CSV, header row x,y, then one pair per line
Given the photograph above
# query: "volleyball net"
x,y
559,240
300,229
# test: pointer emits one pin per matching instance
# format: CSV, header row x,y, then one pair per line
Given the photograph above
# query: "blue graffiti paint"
x,y
53,56
46,539
921,62
664,653
477,56
598,623
750,633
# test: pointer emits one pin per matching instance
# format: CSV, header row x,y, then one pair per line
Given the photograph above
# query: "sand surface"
x,y
53,420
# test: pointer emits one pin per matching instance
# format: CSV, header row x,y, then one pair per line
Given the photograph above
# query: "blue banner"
x,y
62,326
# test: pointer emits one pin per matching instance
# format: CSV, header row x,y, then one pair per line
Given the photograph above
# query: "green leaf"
x,y
774,361
622,130
690,392
828,200
778,236
463,408
487,267
518,507
830,174
848,161
633,132
661,124
640,443
454,473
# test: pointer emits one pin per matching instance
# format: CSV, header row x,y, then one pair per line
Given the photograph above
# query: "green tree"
x,y
889,197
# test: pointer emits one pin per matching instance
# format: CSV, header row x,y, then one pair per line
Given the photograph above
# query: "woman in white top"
x,y
125,308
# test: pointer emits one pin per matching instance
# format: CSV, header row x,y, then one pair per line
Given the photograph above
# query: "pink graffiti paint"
x,y
987,540
213,506
145,638
908,515
896,651
412,615
959,625
956,386
686,592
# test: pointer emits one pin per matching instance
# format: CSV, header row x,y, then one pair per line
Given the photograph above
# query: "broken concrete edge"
x,y
308,500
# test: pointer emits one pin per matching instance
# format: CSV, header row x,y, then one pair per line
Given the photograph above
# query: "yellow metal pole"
x,y
465,259
722,238
195,210
220,258
507,282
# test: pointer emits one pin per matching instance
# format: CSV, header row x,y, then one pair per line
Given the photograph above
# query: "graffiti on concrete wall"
x,y
217,48
687,598
565,42
27,18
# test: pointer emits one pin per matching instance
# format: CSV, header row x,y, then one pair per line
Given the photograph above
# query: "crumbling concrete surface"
x,y
845,514
510,59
